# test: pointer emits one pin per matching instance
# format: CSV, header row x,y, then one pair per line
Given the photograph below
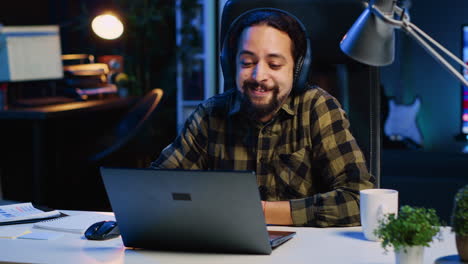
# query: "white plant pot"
x,y
410,255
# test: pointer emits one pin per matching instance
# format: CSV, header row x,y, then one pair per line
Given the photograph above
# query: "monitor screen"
x,y
30,53
465,74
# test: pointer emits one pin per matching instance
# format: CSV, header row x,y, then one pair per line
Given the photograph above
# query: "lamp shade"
x,y
107,26
370,40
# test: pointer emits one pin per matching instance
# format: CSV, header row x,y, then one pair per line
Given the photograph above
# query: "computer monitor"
x,y
464,111
30,53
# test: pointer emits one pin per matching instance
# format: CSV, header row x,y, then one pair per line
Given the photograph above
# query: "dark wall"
x,y
26,12
415,72
151,49
75,27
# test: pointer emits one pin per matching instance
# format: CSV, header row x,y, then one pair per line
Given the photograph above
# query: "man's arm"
x,y
277,213
188,151
343,170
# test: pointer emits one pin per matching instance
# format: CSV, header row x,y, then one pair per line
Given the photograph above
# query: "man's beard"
x,y
255,111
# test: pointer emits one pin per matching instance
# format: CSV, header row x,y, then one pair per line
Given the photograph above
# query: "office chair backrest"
x,y
132,123
355,85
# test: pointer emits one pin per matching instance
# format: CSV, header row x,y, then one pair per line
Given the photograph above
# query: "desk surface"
x,y
60,110
310,245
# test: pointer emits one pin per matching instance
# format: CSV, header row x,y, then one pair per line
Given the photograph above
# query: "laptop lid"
x,y
215,211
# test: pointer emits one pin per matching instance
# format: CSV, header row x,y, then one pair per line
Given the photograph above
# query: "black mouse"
x,y
102,230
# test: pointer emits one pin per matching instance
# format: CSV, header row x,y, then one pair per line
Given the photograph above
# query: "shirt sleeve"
x,y
343,170
188,151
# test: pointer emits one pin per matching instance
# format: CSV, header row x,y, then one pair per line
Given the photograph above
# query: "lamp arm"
x,y
434,54
408,27
438,45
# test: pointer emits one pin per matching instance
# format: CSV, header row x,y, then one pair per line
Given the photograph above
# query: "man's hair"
x,y
275,19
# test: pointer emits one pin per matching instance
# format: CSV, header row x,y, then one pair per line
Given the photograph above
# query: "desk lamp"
x,y
107,26
371,39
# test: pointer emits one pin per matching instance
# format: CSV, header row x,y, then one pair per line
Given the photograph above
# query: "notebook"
x,y
25,213
214,211
73,223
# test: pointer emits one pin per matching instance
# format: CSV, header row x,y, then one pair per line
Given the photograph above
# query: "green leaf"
x,y
413,227
459,219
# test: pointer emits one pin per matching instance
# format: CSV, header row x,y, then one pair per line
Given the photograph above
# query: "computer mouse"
x,y
102,230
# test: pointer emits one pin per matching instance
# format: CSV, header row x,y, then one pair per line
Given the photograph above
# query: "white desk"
x,y
310,245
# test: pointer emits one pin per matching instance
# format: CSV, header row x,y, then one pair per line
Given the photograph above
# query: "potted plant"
x,y
460,222
409,233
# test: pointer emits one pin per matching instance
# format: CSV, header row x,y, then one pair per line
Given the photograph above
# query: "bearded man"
x,y
293,135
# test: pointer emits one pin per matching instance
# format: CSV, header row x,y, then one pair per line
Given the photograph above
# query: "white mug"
x,y
375,203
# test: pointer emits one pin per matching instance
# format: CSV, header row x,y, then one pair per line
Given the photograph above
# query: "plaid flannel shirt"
x,y
305,154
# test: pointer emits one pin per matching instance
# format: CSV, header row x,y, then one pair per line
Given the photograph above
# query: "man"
x,y
309,168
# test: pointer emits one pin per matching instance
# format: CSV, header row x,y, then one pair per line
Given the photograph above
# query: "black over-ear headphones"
x,y
302,67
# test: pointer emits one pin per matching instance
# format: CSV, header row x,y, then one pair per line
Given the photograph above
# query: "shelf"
x,y
195,78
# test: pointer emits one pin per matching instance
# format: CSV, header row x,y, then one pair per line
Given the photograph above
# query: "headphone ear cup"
x,y
227,69
302,71
226,66
297,70
224,62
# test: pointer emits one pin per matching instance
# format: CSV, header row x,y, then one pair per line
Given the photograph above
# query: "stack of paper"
x,y
23,213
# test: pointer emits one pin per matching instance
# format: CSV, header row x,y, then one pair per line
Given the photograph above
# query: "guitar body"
x,y
401,123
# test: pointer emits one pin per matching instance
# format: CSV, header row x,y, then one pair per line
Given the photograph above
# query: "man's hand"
x,y
277,213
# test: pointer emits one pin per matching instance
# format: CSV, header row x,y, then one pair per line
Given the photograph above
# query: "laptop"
x,y
185,210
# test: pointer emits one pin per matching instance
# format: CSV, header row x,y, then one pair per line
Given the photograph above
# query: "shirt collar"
x,y
289,106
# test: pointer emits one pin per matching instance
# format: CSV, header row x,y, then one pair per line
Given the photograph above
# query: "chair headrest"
x,y
326,21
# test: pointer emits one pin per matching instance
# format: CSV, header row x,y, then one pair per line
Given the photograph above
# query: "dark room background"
x,y
416,73
428,176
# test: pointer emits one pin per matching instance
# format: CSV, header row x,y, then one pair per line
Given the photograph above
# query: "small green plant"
x,y
412,227
460,212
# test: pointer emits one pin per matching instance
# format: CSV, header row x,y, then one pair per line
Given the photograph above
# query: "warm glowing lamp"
x,y
107,26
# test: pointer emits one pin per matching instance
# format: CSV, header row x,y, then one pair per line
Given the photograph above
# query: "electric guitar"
x,y
401,123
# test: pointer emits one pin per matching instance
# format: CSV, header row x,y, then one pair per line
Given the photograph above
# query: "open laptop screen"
x,y
216,211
